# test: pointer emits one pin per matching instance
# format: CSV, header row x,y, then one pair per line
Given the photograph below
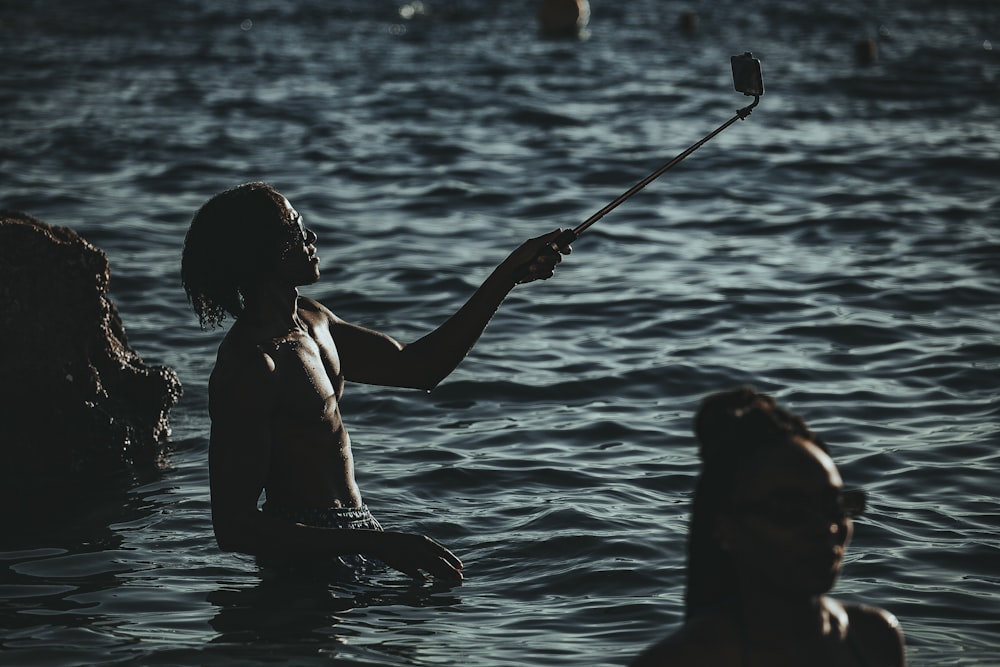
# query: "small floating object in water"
x,y
866,51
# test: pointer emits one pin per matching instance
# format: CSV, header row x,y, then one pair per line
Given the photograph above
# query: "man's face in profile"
x,y
298,263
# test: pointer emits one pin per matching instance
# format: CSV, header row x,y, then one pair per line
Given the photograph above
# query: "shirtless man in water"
x,y
274,395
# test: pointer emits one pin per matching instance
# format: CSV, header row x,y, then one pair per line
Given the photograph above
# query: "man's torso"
x,y
311,464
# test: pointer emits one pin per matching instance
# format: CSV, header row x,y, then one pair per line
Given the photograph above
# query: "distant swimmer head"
x,y
688,21
563,19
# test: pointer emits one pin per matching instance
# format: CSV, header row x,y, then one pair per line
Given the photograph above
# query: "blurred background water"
x,y
839,248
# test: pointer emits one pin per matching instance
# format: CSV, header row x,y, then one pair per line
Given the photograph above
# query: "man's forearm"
x,y
407,552
437,354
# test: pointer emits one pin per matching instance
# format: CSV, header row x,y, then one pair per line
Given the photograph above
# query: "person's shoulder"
x,y
240,344
871,619
307,305
241,359
315,312
707,639
876,632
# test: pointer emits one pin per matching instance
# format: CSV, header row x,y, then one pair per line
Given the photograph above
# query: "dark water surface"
x,y
839,248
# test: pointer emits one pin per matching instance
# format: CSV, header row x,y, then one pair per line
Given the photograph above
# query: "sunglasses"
x,y
302,228
796,510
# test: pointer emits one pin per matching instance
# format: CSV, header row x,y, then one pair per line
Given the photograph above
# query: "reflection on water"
x,y
62,556
291,609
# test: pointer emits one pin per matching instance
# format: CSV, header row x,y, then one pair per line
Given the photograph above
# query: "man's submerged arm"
x,y
373,358
239,456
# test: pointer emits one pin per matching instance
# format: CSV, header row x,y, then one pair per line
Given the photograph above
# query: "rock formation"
x,y
74,397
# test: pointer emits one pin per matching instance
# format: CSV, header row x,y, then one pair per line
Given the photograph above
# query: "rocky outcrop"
x,y
74,397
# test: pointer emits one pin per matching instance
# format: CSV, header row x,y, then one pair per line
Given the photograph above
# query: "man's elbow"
x,y
427,384
419,378
419,368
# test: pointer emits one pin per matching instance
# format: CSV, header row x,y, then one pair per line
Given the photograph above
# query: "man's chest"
x,y
307,372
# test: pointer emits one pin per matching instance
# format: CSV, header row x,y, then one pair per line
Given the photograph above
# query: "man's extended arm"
x,y
373,358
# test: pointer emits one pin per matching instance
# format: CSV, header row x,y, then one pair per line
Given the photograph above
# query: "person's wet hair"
x,y
735,429
237,235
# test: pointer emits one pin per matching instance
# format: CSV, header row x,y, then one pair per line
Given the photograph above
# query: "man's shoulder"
x,y
241,358
869,616
315,313
240,343
314,310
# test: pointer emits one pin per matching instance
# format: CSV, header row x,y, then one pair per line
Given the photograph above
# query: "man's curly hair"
x,y
237,235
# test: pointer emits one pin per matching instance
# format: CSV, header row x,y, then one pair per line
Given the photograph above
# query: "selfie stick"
x,y
747,79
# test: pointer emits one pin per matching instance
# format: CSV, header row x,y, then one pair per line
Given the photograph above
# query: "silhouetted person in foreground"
x,y
274,394
769,526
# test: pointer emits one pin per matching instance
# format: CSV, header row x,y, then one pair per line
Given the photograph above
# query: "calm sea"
x,y
839,248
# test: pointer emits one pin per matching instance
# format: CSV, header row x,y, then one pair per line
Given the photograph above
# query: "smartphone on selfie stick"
x,y
747,79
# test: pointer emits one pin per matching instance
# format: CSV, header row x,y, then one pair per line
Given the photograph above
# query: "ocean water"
x,y
839,248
